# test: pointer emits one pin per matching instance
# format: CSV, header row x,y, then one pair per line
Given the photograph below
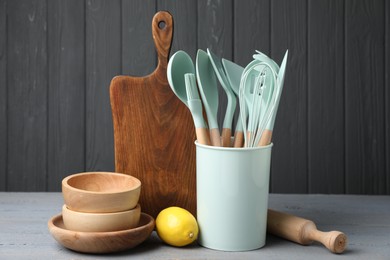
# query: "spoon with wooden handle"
x,y
304,231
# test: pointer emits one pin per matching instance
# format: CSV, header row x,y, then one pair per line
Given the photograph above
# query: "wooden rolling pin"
x,y
304,231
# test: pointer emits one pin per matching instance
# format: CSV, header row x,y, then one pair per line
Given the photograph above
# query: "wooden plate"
x,y
101,242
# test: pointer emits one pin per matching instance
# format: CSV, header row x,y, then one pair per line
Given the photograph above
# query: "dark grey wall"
x,y
332,133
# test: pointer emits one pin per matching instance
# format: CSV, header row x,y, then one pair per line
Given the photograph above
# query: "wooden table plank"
x,y
138,59
251,25
215,31
365,220
184,25
3,95
326,97
251,29
365,171
66,98
387,94
103,62
184,29
289,153
27,88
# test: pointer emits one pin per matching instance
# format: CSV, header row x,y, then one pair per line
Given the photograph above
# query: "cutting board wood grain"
x,y
153,131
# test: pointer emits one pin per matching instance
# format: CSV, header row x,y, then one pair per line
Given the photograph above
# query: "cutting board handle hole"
x,y
162,25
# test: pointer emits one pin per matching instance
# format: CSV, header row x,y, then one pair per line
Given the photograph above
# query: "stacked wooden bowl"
x,y
101,202
101,213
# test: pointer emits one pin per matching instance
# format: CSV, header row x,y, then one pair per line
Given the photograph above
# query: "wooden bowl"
x,y
101,242
100,222
101,192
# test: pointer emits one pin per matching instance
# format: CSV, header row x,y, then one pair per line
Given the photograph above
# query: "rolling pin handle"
x,y
335,241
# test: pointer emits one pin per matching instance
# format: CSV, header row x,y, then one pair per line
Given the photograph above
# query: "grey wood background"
x,y
332,133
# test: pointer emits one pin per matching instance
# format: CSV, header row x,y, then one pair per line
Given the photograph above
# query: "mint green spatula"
x,y
231,98
233,74
207,84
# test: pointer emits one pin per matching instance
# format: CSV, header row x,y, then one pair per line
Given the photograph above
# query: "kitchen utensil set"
x,y
257,88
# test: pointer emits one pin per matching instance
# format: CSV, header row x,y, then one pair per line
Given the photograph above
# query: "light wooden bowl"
x,y
101,242
101,192
100,222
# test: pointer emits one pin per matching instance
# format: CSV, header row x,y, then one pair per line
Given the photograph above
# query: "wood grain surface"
x,y
66,114
332,132
3,95
325,118
304,231
187,21
27,92
154,133
103,62
26,236
101,242
248,13
387,93
137,59
289,31
216,33
364,97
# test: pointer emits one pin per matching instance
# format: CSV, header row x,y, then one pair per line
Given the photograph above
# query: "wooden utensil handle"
x,y
303,231
226,137
215,137
203,136
162,31
265,137
238,139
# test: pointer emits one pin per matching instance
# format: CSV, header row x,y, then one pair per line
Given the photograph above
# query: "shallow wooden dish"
x,y
101,242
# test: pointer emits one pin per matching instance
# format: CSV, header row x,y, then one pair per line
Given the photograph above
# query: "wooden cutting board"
x,y
154,132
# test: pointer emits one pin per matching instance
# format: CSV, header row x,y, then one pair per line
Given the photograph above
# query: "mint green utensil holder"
x,y
232,196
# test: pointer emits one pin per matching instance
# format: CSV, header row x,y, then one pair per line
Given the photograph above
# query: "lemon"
x,y
176,226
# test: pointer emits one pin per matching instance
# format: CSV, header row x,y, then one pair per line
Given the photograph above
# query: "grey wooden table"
x,y
365,220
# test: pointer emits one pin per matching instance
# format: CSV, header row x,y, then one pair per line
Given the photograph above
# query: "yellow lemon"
x,y
177,226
